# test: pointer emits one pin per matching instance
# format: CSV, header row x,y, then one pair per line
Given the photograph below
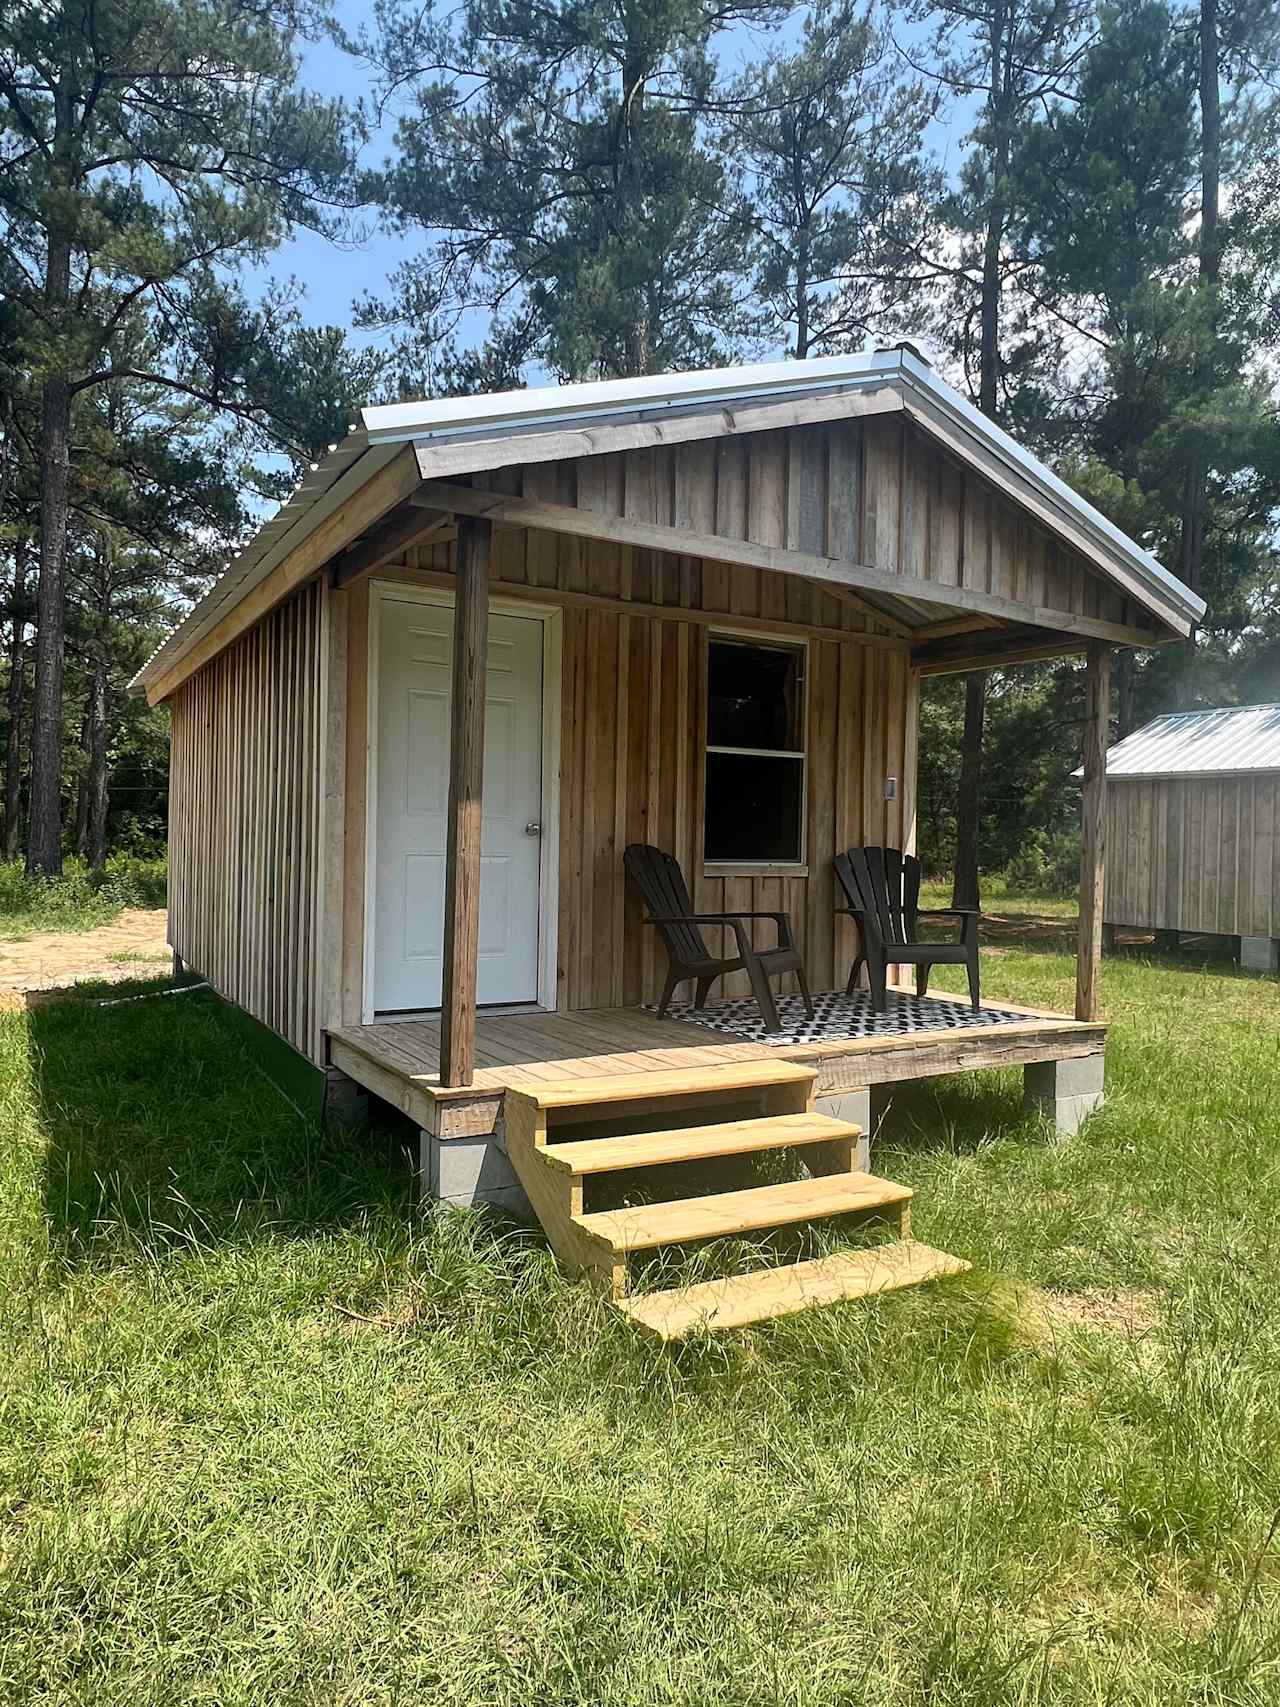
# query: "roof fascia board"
x,y
441,458
552,406
276,578
1218,774
939,407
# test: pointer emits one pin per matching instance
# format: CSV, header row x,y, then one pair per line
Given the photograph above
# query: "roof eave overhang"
x,y
521,419
931,401
328,484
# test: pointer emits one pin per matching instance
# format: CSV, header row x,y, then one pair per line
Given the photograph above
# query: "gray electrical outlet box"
x,y
891,788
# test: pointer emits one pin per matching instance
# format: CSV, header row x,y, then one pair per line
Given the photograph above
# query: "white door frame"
x,y
551,618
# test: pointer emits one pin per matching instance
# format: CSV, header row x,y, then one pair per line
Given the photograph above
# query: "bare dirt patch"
x,y
133,946
1128,1312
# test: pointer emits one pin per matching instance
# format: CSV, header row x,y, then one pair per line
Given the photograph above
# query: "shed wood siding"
x,y
632,733
1195,854
876,491
244,809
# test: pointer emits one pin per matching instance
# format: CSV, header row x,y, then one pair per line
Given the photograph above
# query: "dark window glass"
x,y
754,808
754,696
755,753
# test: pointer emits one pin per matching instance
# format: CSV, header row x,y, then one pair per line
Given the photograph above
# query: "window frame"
x,y
765,642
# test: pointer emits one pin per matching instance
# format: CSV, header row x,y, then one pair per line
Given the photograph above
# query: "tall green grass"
x,y
81,898
272,1432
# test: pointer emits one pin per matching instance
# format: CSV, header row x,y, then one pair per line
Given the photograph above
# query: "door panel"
x,y
412,723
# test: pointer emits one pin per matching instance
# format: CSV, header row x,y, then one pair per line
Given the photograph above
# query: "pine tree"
x,y
837,190
147,148
1013,55
559,163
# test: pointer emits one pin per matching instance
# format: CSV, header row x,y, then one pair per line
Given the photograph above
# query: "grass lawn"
x,y
270,1434
79,900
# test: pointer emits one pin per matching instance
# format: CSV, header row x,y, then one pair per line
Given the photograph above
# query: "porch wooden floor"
x,y
399,1060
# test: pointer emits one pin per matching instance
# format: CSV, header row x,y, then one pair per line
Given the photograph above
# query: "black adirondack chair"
x,y
883,888
658,877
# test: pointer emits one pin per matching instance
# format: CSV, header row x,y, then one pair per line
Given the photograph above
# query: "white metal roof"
x,y
1233,741
514,414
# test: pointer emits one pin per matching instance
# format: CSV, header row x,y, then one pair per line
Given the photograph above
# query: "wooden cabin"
x,y
490,642
1193,821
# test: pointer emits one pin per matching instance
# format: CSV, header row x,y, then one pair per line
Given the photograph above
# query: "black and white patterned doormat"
x,y
837,1017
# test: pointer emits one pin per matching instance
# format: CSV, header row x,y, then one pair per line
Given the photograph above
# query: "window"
x,y
755,753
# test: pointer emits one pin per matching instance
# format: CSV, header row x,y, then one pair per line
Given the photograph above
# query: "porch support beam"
x,y
952,663
1093,834
515,511
466,786
404,529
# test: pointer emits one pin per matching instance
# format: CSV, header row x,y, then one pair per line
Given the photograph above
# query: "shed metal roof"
x,y
515,414
1233,741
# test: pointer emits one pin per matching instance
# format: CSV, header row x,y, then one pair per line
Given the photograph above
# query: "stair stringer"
x,y
557,1198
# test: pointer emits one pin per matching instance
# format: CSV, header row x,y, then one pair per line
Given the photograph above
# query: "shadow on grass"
x,y
163,1131
1037,933
955,1112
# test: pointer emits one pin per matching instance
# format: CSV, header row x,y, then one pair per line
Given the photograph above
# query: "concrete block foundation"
x,y
1260,953
470,1172
1067,1091
865,1108
345,1103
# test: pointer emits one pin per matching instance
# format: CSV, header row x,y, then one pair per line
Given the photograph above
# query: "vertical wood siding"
x,y
877,491
634,698
244,814
1195,854
632,737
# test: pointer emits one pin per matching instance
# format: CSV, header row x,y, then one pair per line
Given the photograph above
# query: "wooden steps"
x,y
697,1143
724,1078
741,1299
730,1213
698,1113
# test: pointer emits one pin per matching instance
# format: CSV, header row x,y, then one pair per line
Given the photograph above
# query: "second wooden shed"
x,y
1194,828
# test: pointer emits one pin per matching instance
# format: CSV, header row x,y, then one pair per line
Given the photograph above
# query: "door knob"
x,y
533,829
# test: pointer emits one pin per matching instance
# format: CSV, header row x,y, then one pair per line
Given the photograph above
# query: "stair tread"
x,y
731,1212
696,1143
741,1299
679,1081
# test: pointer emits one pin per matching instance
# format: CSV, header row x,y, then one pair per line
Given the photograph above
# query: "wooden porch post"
x,y
1093,833
466,780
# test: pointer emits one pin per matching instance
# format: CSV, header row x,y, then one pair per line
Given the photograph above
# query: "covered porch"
x,y
462,1127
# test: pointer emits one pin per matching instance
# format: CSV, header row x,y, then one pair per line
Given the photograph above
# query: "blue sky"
x,y
332,277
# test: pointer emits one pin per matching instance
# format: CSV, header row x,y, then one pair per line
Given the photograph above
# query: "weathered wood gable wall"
x,y
877,491
244,819
1195,854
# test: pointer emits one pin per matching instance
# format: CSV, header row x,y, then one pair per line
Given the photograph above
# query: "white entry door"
x,y
415,645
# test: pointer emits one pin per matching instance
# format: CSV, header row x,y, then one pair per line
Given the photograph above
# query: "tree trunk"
x,y
82,780
96,714
636,339
993,237
15,703
44,839
97,777
1125,676
964,891
1191,555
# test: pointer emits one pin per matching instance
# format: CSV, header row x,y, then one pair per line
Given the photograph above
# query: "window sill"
x,y
742,868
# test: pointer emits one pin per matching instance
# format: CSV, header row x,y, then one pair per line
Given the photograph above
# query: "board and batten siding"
x,y
1198,854
877,491
244,819
633,703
